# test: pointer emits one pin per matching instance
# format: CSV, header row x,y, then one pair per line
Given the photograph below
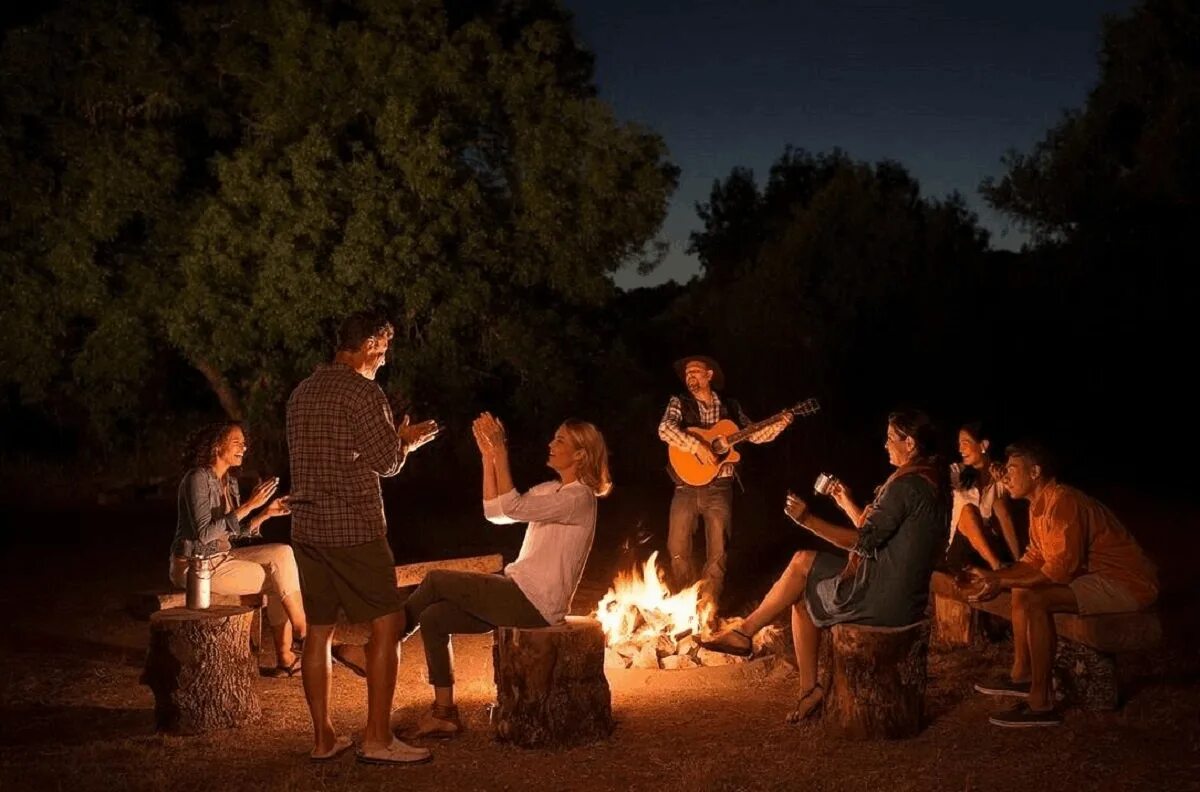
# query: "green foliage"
x,y
231,180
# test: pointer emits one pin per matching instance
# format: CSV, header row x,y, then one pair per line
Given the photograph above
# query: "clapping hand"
x,y
277,508
416,435
263,492
489,434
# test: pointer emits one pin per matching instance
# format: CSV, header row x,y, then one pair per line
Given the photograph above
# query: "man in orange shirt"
x,y
1080,559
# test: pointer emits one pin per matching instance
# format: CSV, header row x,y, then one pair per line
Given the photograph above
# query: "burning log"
x,y
647,657
679,662
550,685
878,680
709,658
612,659
200,669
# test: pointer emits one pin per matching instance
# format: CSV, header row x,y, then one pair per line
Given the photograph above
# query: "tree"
x,y
850,264
295,161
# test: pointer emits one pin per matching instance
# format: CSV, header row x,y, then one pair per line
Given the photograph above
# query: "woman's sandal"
x,y
720,643
808,705
281,670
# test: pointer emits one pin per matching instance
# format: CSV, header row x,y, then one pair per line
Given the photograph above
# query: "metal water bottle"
x,y
199,583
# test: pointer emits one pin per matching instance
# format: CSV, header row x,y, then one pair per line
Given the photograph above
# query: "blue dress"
x,y
903,534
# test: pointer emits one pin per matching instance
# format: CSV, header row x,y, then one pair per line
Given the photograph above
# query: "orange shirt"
x,y
1071,534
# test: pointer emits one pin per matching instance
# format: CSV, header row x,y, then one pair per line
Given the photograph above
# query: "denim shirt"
x,y
204,527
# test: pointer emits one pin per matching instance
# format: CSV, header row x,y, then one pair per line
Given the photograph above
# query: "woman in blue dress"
x,y
892,549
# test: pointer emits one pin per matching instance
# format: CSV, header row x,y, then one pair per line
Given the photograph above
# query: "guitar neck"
x,y
742,434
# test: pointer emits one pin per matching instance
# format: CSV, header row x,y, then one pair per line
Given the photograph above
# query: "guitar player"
x,y
711,503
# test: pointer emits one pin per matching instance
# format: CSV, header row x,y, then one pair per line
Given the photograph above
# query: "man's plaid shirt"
x,y
672,431
341,439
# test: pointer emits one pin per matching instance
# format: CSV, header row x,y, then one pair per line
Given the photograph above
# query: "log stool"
x,y
877,687
200,669
550,685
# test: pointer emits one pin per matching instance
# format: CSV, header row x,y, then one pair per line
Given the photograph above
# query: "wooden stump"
x,y
550,685
1084,677
878,685
200,669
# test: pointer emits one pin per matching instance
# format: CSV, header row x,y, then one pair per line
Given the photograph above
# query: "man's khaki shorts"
x,y
361,579
1099,594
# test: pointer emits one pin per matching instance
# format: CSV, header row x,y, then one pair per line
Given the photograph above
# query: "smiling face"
x,y
564,454
232,448
972,451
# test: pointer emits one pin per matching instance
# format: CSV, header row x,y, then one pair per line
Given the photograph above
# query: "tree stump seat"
x,y
874,680
1085,670
550,685
200,669
144,604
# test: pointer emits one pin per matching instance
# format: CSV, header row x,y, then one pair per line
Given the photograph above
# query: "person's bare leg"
x,y
293,606
788,590
1020,628
317,678
806,638
284,656
383,656
1040,607
970,524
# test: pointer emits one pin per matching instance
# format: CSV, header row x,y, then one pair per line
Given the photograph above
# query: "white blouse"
x,y
562,524
982,498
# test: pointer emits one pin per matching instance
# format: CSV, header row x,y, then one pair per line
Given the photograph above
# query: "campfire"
x,y
645,626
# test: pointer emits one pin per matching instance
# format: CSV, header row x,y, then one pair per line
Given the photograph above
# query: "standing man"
x,y
713,502
1080,559
341,439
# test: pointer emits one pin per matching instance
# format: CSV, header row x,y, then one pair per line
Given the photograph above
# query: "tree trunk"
x,y
878,685
200,669
550,685
216,380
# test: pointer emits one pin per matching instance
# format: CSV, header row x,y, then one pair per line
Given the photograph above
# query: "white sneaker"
x,y
397,753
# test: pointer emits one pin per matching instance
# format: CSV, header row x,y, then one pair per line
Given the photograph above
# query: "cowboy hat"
x,y
718,377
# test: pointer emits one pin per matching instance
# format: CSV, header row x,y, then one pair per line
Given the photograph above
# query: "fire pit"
x,y
646,626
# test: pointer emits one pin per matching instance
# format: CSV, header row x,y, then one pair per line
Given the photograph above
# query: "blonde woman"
x,y
536,589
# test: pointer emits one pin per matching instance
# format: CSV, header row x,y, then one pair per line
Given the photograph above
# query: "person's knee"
x,y
1028,600
801,560
435,620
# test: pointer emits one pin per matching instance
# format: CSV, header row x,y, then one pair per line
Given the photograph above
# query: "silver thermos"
x,y
199,583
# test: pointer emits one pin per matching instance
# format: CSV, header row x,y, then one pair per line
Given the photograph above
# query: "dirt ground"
x,y
74,716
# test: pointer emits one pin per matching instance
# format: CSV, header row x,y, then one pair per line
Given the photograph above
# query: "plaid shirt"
x,y
672,432
341,439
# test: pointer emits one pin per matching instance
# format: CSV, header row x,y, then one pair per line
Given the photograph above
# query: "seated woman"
x,y
980,506
885,581
536,589
211,513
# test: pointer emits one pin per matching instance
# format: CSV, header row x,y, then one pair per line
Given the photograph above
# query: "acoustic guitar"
x,y
721,438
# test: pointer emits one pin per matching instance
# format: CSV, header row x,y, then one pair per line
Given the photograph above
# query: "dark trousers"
x,y
711,505
449,602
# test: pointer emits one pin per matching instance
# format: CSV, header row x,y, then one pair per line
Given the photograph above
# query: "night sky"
x,y
944,88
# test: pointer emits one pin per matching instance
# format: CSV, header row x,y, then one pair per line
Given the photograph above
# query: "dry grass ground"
x,y
73,716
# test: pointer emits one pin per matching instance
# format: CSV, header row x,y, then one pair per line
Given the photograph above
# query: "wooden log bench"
x,y
1085,670
200,669
874,680
550,685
